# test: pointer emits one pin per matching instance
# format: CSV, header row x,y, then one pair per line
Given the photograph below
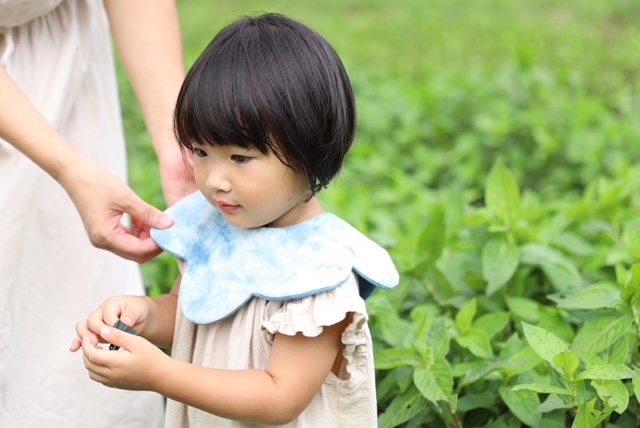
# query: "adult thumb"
x,y
149,215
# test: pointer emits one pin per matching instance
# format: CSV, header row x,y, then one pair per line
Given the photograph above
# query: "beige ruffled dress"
x,y
60,54
243,341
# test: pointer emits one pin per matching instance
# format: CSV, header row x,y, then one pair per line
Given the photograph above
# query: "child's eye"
x,y
240,159
199,152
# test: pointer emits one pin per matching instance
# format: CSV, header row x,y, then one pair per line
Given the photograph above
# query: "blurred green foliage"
x,y
497,159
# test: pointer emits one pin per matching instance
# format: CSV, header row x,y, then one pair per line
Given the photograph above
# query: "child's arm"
x,y
153,319
296,369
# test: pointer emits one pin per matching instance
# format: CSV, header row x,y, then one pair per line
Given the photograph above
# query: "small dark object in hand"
x,y
121,326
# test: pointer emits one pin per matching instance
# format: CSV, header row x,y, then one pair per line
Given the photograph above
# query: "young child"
x,y
267,324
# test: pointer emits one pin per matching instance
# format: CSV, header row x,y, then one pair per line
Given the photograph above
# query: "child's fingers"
x,y
128,319
92,327
82,330
94,361
122,308
117,337
76,344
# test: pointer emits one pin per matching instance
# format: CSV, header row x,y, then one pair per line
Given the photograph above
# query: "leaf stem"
x,y
454,415
636,320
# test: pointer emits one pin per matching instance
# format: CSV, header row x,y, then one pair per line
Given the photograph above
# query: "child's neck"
x,y
299,214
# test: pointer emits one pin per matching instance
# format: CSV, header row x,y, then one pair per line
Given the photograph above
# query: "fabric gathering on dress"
x,y
60,55
243,341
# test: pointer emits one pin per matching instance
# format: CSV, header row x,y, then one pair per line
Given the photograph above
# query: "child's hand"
x,y
136,366
133,311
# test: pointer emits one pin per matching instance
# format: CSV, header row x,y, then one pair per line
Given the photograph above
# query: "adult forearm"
x,y
148,40
22,126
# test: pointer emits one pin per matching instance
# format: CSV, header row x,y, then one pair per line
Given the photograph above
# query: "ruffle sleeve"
x,y
311,314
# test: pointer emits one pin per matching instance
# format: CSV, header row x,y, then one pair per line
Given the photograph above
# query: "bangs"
x,y
221,102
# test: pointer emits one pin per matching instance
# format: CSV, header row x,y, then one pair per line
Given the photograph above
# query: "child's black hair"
x,y
271,83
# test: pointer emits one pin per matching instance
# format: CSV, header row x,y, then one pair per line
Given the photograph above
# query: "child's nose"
x,y
218,181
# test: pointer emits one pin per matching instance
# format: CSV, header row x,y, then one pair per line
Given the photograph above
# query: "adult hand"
x,y
102,199
176,173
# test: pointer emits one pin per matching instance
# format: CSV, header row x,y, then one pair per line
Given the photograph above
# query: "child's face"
x,y
251,189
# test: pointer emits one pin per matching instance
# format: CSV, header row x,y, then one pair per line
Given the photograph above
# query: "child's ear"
x,y
309,194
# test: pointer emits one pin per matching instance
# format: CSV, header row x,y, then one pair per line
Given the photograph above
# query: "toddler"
x,y
267,323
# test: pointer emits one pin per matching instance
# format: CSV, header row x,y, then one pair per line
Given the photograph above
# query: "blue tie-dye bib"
x,y
226,266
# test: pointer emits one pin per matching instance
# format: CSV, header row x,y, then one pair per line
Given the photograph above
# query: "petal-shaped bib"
x,y
226,266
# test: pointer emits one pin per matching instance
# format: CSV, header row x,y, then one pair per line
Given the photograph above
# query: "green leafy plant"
x,y
531,314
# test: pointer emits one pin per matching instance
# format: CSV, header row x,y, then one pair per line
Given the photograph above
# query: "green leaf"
x,y
464,317
541,388
601,333
546,345
402,409
631,290
404,378
574,244
622,276
631,238
597,296
499,262
590,359
502,194
477,342
617,353
607,371
588,416
569,362
523,308
492,323
438,340
554,402
471,401
555,320
523,404
523,361
635,382
432,239
519,363
394,329
434,383
562,272
391,358
614,393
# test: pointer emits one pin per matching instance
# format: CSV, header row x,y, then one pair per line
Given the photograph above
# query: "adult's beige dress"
x,y
59,53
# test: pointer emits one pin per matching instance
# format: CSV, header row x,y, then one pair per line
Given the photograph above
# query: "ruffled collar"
x,y
226,266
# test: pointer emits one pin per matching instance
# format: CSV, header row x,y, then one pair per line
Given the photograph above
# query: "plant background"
x,y
496,158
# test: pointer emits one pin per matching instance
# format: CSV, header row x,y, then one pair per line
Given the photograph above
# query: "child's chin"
x,y
239,222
